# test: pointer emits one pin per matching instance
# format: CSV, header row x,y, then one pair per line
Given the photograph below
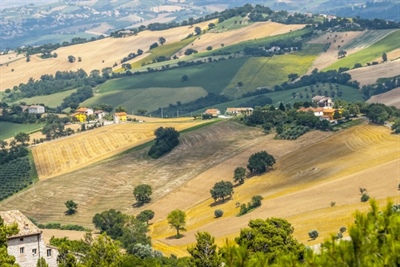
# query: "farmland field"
x,y
74,152
387,44
149,99
366,39
390,98
269,71
370,74
53,100
212,77
362,156
9,129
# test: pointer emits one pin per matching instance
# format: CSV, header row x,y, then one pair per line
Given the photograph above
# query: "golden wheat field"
x,y
95,55
254,31
74,152
300,188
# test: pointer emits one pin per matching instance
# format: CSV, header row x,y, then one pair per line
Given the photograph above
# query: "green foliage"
x,y
292,131
166,139
221,190
104,252
134,232
14,175
110,222
364,197
204,253
71,207
255,203
41,262
145,216
313,234
142,193
177,220
218,213
271,237
396,126
239,174
260,161
6,231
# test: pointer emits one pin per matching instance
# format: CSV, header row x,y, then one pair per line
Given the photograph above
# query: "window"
x,y
49,252
21,239
34,251
21,250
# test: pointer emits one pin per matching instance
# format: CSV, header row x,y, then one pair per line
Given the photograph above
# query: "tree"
x,y
134,232
177,220
221,190
22,137
71,207
166,139
342,53
281,107
239,174
336,115
209,48
104,252
65,257
184,78
204,253
6,231
211,25
41,262
218,213
121,109
384,57
260,161
364,197
197,30
154,45
110,222
272,237
145,216
141,112
162,40
396,126
71,59
142,193
313,234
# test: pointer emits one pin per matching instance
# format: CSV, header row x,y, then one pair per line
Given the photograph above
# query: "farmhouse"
x,y
27,246
36,109
236,111
100,114
318,112
213,112
82,113
323,101
119,117
328,113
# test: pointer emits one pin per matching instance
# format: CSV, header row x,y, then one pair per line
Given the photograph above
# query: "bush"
x,y
364,197
218,213
342,229
313,234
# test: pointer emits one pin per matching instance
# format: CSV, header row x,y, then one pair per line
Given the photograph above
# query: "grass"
x,y
367,38
213,77
269,71
167,50
53,100
387,44
229,24
149,99
9,129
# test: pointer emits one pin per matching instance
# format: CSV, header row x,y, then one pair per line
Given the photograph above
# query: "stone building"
x,y
28,245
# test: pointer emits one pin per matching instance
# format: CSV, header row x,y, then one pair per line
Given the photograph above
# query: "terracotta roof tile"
x,y
25,226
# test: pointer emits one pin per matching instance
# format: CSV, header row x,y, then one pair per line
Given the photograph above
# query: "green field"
x,y
9,129
149,99
167,50
371,53
213,77
53,100
367,38
269,71
231,24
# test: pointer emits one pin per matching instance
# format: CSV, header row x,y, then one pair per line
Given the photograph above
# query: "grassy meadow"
x,y
371,53
269,71
53,100
9,129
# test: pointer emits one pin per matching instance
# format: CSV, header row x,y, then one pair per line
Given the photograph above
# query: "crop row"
x,y
14,176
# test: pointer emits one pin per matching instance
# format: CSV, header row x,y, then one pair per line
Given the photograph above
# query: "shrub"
x,y
364,197
333,203
313,234
342,229
339,235
218,213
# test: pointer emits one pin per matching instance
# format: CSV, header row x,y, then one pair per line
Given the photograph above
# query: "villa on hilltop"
x,y
27,246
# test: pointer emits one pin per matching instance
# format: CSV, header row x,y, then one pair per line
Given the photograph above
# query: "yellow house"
x,y
81,117
119,117
329,112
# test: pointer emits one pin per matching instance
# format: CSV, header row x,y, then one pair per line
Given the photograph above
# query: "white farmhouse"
x,y
36,109
27,246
